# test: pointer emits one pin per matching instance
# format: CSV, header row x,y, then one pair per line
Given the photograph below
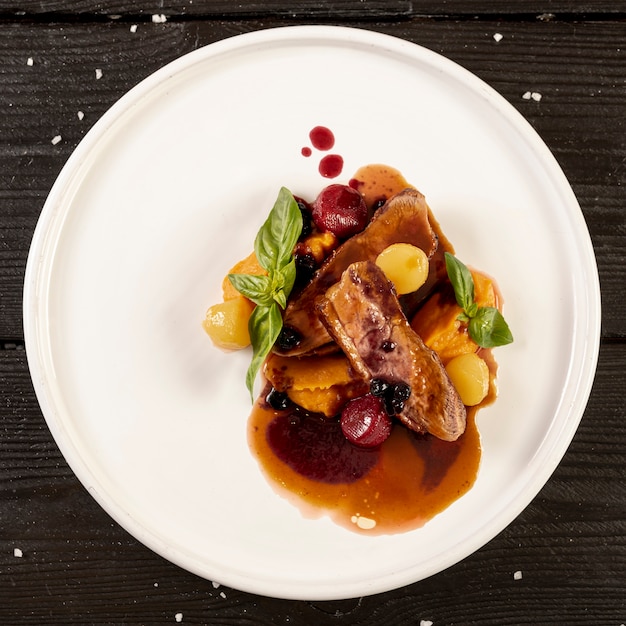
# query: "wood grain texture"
x,y
569,545
340,9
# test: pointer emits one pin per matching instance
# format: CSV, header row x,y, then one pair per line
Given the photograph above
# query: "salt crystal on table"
x,y
426,622
178,617
215,585
98,74
527,95
536,96
159,19
18,553
222,595
80,115
517,575
55,140
29,61
497,37
133,28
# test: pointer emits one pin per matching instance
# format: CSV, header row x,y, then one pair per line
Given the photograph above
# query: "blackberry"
x,y
379,387
288,339
278,400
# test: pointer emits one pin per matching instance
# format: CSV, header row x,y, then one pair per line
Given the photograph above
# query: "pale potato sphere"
x,y
405,265
226,323
470,376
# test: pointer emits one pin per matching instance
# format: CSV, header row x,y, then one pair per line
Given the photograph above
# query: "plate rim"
x,y
337,35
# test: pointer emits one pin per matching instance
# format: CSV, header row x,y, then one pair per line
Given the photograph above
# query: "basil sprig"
x,y
273,247
485,324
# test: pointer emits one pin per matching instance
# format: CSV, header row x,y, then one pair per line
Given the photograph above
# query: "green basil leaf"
x,y
288,274
264,327
489,329
279,234
462,282
256,288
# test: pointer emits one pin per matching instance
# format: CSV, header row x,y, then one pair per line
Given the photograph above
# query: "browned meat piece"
x,y
403,219
364,317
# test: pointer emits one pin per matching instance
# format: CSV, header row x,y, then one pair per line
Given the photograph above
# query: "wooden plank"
x,y
579,69
78,566
369,9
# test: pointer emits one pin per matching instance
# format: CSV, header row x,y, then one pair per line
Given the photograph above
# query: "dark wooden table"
x,y
64,561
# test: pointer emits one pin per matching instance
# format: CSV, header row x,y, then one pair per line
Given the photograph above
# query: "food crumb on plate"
x,y
517,575
364,523
17,553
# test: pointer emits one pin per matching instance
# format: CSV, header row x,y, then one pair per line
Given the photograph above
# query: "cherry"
x,y
340,210
364,421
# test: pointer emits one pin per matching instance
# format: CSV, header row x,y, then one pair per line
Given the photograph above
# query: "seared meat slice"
x,y
364,317
405,218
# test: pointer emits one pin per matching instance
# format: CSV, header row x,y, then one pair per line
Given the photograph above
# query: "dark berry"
x,y
379,387
288,338
305,268
307,217
364,422
402,391
278,400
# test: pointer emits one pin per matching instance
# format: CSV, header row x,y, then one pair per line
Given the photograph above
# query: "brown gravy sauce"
x,y
395,488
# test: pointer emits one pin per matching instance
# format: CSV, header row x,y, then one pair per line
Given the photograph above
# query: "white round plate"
x,y
167,191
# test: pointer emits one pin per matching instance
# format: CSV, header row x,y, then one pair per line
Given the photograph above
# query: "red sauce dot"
x,y
322,138
331,166
306,151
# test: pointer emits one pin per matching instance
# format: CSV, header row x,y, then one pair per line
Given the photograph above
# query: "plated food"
x,y
375,347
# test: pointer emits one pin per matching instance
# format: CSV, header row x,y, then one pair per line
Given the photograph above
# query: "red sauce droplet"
x,y
306,151
322,138
331,166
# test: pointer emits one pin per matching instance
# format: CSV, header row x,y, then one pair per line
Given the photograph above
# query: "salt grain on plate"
x,y
534,95
159,18
497,37
98,74
517,575
55,140
29,61
18,553
178,617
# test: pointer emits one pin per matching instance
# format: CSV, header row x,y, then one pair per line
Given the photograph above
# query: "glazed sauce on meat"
x,y
391,489
394,488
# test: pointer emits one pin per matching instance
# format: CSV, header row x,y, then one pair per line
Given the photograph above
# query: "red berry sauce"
x,y
322,138
331,166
